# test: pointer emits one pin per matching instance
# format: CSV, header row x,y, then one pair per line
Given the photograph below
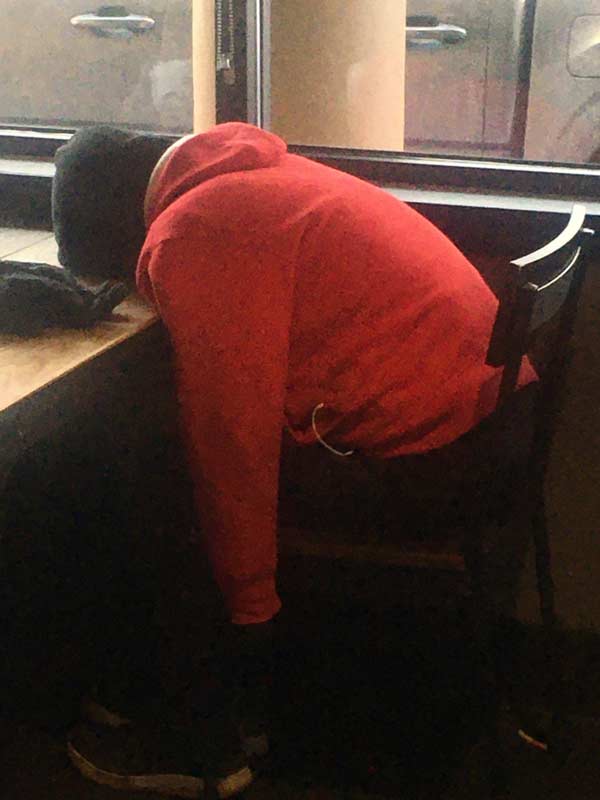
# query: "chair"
x,y
540,302
539,288
537,309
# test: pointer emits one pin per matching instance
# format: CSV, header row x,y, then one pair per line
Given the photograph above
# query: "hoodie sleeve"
x,y
228,310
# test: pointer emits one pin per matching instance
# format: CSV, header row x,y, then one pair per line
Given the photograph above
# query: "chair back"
x,y
537,310
539,301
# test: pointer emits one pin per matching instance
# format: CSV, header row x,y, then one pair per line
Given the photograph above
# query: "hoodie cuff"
x,y
252,603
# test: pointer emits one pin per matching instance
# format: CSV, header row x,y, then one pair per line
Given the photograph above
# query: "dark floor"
x,y
378,697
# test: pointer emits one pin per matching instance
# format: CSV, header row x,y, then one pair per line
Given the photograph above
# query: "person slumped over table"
x,y
309,313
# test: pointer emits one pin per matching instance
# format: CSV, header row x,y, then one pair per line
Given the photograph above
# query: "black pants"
x,y
464,485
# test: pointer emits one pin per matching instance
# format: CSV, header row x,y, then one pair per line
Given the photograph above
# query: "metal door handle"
x,y
434,36
125,25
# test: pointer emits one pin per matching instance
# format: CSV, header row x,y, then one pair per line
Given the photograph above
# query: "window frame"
x,y
444,173
32,147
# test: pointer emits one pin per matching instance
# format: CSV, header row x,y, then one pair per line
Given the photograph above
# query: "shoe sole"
x,y
185,786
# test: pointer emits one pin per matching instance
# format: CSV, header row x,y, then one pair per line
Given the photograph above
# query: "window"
x,y
74,63
496,96
508,79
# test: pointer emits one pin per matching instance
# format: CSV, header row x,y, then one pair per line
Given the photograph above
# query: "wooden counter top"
x,y
28,365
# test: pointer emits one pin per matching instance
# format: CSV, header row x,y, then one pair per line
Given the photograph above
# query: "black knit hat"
x,y
98,200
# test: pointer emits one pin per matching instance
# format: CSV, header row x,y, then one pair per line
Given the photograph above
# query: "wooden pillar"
x,y
203,64
337,72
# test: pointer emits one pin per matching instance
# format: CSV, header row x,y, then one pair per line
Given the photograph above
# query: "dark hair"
x,y
98,200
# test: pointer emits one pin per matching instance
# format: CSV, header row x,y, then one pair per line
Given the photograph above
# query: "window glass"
x,y
516,79
74,62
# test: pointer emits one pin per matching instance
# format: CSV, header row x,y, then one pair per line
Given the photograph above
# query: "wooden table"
x,y
42,378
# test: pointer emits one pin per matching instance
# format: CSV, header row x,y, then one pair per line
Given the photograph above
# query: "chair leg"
x,y
484,634
543,564
554,638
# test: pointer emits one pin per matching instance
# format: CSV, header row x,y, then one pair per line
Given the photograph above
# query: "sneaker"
x,y
252,725
95,712
136,758
132,758
179,759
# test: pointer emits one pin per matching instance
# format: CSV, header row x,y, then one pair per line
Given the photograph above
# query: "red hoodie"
x,y
285,284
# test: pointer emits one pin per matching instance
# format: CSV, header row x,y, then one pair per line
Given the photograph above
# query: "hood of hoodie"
x,y
224,149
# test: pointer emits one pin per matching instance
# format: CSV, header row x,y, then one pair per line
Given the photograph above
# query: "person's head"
x,y
98,200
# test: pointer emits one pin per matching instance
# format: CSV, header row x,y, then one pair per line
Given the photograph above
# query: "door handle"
x,y
115,25
433,36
